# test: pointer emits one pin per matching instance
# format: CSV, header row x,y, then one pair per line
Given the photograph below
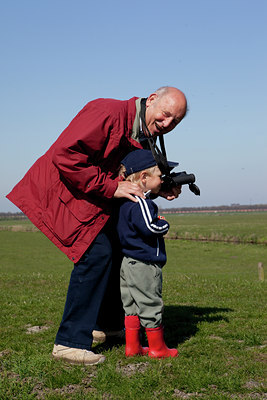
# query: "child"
x,y
141,235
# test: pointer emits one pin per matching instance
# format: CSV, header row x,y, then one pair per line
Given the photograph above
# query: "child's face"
x,y
154,181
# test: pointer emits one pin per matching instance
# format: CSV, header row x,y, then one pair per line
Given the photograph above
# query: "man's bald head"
x,y
165,108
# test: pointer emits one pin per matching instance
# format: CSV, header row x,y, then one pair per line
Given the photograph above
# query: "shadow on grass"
x,y
180,323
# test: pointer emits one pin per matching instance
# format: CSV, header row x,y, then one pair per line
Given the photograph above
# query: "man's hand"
x,y
128,189
172,194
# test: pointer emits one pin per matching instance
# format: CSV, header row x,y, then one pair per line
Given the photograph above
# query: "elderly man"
x,y
70,195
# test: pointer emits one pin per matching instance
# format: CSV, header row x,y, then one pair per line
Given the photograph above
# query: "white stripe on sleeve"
x,y
148,218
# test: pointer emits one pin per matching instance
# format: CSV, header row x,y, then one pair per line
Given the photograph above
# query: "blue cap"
x,y
141,159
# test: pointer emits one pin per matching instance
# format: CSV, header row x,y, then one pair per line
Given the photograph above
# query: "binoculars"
x,y
178,179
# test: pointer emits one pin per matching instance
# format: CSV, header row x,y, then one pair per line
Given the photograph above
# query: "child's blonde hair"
x,y
135,177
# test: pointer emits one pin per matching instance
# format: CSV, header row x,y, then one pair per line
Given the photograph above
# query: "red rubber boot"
x,y
157,346
132,337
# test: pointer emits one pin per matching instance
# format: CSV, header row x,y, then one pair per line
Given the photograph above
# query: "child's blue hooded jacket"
x,y
141,231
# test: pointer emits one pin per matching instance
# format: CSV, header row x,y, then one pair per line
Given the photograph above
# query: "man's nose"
x,y
167,122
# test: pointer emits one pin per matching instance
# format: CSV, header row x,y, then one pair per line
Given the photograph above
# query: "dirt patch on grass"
x,y
182,395
35,329
42,393
131,369
83,387
4,353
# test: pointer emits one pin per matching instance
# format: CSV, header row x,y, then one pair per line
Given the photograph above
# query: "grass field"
x,y
215,314
250,227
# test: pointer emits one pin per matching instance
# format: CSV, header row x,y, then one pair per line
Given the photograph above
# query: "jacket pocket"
x,y
66,216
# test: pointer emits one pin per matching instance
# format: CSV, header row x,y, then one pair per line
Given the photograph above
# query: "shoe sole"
x,y
72,362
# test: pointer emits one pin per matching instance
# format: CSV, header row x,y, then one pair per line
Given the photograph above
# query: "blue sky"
x,y
58,55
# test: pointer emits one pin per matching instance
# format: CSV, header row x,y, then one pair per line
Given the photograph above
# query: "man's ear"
x,y
152,97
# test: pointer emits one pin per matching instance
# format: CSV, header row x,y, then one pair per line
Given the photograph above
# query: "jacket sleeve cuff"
x,y
111,188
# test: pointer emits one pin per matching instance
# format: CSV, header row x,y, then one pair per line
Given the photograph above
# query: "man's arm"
x,y
84,147
86,144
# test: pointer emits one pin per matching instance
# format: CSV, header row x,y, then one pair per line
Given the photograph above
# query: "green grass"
x,y
215,314
232,227
249,227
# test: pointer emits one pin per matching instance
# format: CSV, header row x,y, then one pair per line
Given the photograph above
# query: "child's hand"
x,y
172,194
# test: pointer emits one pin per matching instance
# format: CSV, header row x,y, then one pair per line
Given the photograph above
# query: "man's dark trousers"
x,y
88,283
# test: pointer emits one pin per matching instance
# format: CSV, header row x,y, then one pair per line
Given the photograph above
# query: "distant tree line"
x,y
9,215
232,207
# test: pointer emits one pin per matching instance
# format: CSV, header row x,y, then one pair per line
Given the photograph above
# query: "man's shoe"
x,y
76,356
99,336
102,336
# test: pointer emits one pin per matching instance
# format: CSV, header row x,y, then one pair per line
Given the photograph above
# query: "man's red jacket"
x,y
68,192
